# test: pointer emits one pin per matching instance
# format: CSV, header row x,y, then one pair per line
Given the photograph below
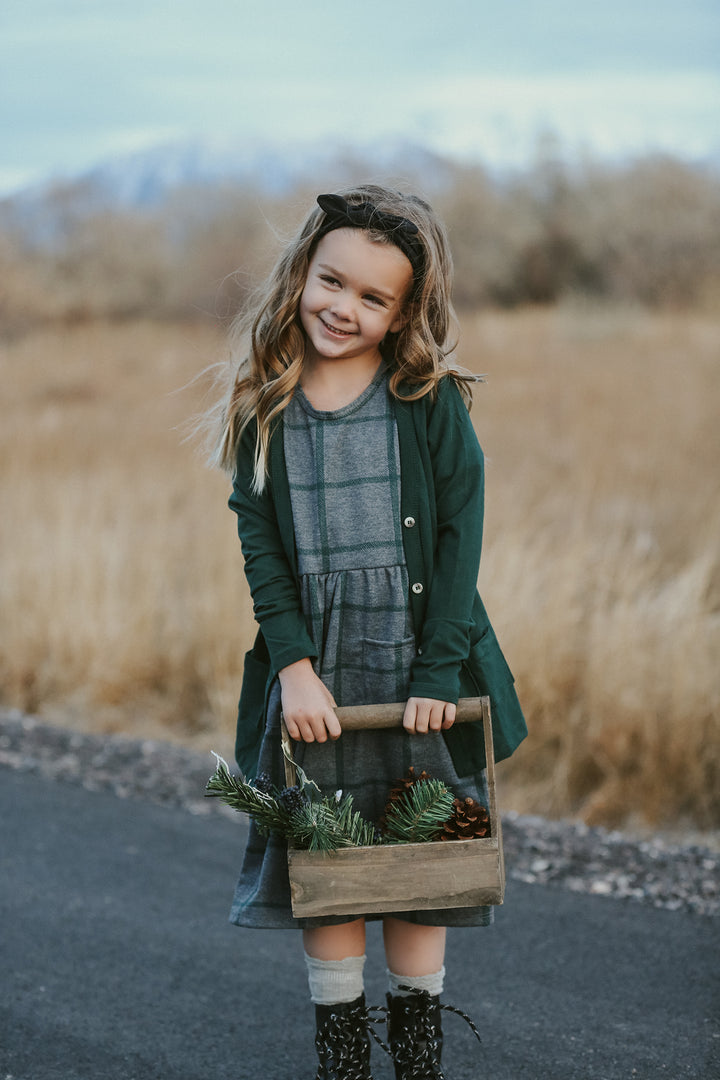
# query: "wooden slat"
x,y
398,877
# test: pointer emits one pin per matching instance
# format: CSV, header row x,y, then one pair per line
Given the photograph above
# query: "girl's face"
x,y
353,296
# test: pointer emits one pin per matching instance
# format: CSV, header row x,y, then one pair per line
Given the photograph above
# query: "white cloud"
x,y
603,112
499,117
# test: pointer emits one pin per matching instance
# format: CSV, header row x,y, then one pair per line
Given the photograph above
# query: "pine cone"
x,y
469,821
399,789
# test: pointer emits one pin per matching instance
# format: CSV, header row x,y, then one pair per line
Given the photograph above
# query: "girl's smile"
x,y
334,331
353,296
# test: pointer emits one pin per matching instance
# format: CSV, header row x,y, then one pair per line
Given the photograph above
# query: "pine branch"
x,y
316,828
360,833
419,815
267,812
317,823
330,824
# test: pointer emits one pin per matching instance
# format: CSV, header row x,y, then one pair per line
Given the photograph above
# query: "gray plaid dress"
x,y
344,476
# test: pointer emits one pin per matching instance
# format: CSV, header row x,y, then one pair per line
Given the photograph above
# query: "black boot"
x,y
415,1035
343,1041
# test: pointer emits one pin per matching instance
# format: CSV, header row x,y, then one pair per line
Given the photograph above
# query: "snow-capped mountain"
x,y
147,178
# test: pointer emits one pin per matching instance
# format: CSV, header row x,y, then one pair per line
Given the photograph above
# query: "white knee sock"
x,y
333,982
432,983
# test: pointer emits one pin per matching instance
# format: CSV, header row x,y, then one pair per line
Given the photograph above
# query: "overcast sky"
x,y
84,80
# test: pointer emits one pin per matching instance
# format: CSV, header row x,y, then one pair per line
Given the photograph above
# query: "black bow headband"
x,y
340,214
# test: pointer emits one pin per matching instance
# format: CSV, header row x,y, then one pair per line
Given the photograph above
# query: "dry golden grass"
x,y
123,598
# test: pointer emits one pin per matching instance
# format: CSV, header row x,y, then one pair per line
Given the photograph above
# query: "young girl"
x,y
358,488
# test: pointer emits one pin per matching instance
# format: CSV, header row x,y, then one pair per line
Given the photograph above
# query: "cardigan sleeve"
x,y
273,584
458,479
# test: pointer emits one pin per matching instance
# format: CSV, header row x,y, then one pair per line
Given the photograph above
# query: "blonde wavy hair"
x,y
271,342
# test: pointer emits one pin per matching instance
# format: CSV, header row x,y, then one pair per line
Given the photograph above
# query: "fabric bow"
x,y
339,214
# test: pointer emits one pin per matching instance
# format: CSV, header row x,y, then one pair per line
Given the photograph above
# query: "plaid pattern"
x,y
344,474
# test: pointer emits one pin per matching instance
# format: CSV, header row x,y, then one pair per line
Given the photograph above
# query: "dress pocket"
x,y
386,669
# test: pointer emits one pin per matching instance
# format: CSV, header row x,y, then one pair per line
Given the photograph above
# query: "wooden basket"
x,y
400,877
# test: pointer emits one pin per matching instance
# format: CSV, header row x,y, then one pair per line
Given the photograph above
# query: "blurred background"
x,y
154,157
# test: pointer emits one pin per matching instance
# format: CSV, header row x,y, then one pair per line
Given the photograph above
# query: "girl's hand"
x,y
427,714
307,704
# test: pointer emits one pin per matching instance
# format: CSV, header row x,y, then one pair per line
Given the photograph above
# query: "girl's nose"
x,y
342,307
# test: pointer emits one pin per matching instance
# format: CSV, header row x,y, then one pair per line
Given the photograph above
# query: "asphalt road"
x,y
117,963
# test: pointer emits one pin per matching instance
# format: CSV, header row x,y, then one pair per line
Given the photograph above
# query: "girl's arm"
x,y
273,586
306,702
458,474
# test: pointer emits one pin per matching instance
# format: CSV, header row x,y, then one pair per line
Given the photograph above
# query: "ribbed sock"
x,y
333,982
432,983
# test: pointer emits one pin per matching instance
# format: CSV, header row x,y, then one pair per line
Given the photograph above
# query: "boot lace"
x,y
342,1044
416,1049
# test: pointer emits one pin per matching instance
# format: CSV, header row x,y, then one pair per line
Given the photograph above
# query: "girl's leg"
x,y
335,957
411,949
415,956
336,942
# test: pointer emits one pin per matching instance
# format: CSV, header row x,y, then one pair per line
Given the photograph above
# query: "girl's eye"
x,y
375,300
329,280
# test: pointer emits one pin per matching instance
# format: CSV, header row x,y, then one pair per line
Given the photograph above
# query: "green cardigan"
x,y
442,493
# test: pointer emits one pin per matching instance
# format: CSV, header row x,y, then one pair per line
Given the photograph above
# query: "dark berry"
x,y
263,783
292,799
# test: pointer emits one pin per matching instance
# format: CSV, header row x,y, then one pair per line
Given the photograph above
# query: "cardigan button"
x,y
417,588
409,522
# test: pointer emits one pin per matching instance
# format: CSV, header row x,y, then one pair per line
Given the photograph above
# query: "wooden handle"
x,y
369,717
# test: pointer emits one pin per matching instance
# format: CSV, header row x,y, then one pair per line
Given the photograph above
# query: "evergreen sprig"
x,y
311,821
307,819
419,815
330,824
316,828
266,810
360,832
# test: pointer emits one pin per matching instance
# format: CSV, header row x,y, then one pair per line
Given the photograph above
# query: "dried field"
x,y
123,598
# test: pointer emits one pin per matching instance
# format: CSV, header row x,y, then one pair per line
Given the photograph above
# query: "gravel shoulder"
x,y
648,870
